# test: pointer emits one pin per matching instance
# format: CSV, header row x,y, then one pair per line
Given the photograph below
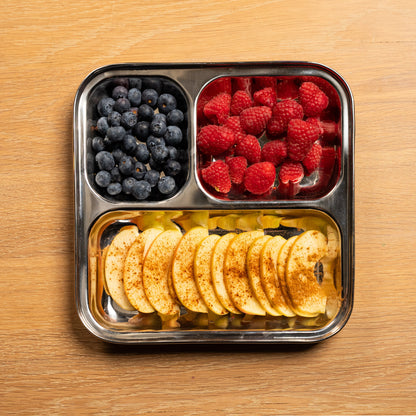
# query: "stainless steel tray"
x,y
337,205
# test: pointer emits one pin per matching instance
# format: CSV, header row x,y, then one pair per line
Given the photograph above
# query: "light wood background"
x,y
49,363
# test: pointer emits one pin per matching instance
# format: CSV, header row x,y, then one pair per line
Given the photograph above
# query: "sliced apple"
x,y
203,277
253,271
235,274
217,271
133,270
114,265
269,278
156,265
183,270
308,298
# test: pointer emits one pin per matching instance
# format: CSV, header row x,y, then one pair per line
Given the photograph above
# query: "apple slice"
x,y
235,274
269,278
133,270
114,265
183,270
253,271
217,272
156,265
308,298
202,273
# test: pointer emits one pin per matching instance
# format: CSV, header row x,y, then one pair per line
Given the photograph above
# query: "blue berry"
x,y
105,160
97,144
127,185
158,127
166,185
122,105
128,119
160,117
141,190
149,97
166,103
129,144
152,83
103,178
153,141
142,153
175,117
145,112
114,119
173,152
102,125
172,167
159,153
126,165
115,175
173,135
114,188
152,177
105,106
116,133
119,92
118,154
139,170
135,96
135,83
142,130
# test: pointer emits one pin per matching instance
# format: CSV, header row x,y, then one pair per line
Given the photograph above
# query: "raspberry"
x,y
254,120
233,123
312,99
240,101
283,112
218,108
213,140
217,176
287,89
326,87
237,166
312,159
300,137
266,96
260,177
291,172
242,83
274,152
249,148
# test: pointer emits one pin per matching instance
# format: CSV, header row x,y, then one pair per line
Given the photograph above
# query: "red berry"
x,y
266,96
283,112
215,87
274,152
233,123
217,176
287,89
259,178
239,102
213,140
326,87
312,159
254,120
312,99
291,172
300,137
218,108
249,148
237,166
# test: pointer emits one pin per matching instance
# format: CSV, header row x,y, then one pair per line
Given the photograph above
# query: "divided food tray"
x,y
321,202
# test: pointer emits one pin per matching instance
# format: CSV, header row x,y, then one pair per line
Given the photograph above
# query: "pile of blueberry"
x,y
139,141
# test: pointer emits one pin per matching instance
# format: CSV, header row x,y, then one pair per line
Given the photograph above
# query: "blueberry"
x,y
129,144
135,83
105,160
166,185
149,97
158,127
160,117
173,135
142,153
172,167
126,165
102,125
141,190
145,112
152,177
114,188
103,178
124,82
155,165
173,152
118,154
114,118
134,96
97,144
175,117
116,133
139,170
152,83
105,106
160,153
142,130
122,105
119,92
166,103
128,119
115,175
128,184
153,141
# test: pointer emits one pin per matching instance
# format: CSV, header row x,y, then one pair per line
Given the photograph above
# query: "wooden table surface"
x,y
50,364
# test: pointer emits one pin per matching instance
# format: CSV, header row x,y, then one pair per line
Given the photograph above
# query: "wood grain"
x,y
49,363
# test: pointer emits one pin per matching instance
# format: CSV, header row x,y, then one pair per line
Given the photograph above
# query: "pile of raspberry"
x,y
261,136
